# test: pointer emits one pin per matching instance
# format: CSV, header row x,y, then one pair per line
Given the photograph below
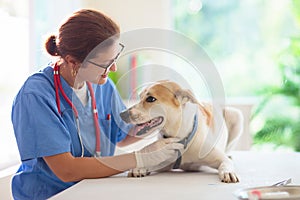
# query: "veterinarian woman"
x,y
68,112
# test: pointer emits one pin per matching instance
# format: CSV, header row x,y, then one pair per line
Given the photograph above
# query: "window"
x,y
24,26
14,69
243,38
247,40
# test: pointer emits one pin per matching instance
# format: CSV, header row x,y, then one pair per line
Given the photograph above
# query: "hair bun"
x,y
51,46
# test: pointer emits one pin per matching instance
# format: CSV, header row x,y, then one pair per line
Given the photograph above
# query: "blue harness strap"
x,y
185,141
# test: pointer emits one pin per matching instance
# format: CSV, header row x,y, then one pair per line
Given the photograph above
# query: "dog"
x,y
175,112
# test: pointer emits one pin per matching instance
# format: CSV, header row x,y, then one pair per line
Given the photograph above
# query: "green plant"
x,y
283,128
114,76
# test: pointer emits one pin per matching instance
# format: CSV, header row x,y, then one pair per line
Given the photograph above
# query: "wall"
x,y
134,14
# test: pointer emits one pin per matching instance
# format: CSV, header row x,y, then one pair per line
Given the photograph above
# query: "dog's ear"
x,y
184,96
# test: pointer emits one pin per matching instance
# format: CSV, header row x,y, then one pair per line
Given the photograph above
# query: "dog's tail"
x,y
234,121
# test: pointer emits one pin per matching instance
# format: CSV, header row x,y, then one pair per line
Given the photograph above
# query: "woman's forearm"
x,y
120,163
130,138
128,141
70,169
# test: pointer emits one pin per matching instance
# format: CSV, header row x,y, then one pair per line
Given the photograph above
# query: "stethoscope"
x,y
58,87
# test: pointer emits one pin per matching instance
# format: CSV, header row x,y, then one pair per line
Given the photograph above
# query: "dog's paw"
x,y
138,172
228,177
227,174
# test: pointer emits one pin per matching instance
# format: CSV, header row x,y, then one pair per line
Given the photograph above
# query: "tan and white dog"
x,y
164,105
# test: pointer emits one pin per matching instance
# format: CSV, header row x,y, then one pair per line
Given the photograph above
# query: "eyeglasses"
x,y
107,67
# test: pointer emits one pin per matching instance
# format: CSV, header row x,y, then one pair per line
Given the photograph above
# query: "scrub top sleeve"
x,y
117,107
38,128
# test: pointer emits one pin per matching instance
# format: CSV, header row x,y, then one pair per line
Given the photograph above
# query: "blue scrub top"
x,y
40,130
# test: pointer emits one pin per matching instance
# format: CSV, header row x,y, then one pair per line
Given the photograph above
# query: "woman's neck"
x,y
73,81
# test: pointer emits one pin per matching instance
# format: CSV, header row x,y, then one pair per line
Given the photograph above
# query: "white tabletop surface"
x,y
253,168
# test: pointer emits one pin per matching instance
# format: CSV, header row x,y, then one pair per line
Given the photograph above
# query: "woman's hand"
x,y
158,152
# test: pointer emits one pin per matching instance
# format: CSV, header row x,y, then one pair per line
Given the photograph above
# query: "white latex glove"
x,y
158,152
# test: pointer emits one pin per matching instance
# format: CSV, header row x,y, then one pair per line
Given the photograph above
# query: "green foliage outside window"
x,y
283,128
242,38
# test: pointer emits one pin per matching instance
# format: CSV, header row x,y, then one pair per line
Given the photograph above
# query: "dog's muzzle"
x,y
125,116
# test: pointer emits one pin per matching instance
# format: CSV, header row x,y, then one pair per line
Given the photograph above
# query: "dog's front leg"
x,y
227,173
219,160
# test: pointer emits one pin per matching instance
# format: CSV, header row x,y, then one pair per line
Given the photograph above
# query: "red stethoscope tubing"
x,y
95,116
58,87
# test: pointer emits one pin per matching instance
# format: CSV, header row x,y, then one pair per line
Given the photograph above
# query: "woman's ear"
x,y
71,60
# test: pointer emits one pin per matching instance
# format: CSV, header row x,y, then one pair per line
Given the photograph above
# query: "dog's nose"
x,y
125,116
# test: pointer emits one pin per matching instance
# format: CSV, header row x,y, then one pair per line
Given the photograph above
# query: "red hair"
x,y
81,33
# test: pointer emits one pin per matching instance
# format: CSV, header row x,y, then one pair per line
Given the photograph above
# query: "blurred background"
x,y
254,45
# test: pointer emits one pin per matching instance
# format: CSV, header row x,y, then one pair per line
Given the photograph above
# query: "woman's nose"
x,y
113,68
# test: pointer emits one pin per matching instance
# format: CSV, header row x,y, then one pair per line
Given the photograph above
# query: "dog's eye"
x,y
150,99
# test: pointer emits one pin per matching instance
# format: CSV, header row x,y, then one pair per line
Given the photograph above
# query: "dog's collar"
x,y
185,141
